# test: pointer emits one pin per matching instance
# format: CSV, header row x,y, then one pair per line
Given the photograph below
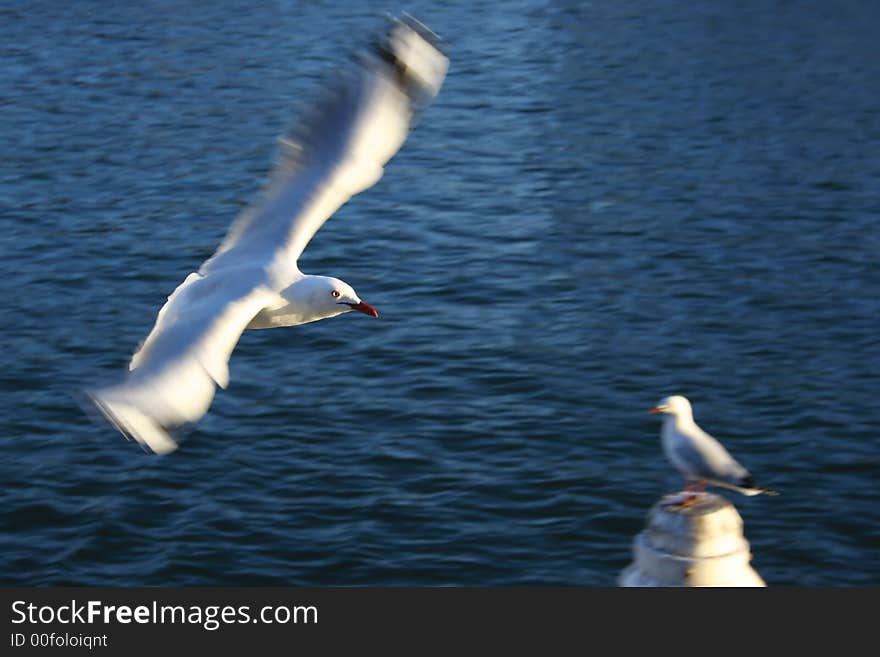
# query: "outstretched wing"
x,y
338,151
341,146
186,354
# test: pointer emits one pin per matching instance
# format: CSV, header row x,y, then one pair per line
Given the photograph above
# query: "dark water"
x,y
607,203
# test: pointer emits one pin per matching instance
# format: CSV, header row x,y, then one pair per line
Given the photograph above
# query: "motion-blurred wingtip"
x,y
414,50
421,29
133,424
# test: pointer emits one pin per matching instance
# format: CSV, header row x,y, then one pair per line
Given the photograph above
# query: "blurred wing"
x,y
705,458
340,150
341,146
186,354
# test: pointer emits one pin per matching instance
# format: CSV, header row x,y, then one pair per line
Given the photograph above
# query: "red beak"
x,y
656,409
364,308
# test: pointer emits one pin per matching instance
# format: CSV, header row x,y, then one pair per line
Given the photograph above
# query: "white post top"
x,y
698,544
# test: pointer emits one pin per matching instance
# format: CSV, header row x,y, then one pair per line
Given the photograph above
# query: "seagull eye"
x,y
335,294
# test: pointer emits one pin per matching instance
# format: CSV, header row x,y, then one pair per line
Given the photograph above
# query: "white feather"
x,y
697,455
339,150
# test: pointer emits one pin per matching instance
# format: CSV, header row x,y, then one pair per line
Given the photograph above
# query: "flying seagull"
x,y
699,457
252,280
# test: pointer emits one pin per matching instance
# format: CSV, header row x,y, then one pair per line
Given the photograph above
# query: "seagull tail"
x,y
747,486
134,424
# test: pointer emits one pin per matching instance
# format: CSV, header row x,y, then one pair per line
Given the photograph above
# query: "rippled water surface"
x,y
607,203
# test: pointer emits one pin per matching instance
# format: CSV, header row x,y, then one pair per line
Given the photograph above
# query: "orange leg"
x,y
693,490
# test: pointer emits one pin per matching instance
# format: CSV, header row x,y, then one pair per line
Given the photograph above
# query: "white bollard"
x,y
701,544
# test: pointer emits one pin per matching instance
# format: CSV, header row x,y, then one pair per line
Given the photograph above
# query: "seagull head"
x,y
675,405
331,296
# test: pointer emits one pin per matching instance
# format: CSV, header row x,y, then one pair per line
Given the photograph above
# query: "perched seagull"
x,y
698,456
252,280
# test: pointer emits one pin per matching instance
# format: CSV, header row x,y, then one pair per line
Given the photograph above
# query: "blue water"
x,y
606,204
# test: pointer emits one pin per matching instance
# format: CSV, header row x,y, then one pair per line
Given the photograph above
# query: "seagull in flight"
x,y
699,457
252,281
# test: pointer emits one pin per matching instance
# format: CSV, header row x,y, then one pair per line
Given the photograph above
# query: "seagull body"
x,y
699,457
253,281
